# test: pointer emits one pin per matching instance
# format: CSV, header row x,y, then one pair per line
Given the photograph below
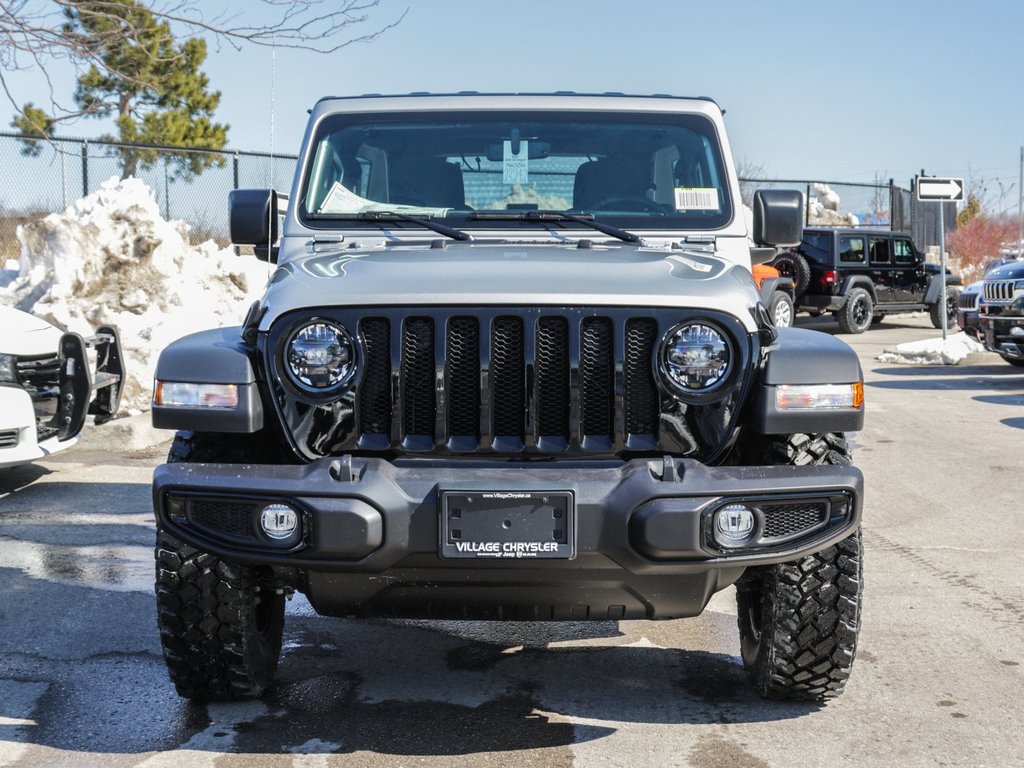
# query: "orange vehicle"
x,y
776,293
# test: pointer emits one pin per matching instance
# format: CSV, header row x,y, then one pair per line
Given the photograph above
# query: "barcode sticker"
x,y
696,199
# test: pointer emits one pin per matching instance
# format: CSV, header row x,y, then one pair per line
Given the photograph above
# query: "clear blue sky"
x,y
828,90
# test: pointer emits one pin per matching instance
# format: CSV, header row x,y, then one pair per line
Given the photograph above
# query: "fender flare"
x,y
803,356
859,281
218,356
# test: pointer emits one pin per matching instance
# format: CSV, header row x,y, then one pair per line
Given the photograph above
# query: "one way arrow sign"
x,y
935,188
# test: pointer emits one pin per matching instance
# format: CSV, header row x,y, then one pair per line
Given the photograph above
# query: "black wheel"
x,y
780,309
1013,360
794,266
855,315
935,310
799,621
220,625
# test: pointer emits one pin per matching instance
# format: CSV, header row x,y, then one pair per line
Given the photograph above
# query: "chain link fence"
x,y
192,185
847,204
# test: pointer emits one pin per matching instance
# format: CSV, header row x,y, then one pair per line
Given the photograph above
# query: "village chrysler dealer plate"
x,y
508,524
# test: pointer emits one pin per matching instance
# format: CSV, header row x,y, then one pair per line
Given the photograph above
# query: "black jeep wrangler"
x,y
860,275
512,365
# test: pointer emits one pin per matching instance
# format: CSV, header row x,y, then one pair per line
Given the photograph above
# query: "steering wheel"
x,y
628,203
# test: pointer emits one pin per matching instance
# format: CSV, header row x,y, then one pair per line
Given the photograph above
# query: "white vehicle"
x,y
47,385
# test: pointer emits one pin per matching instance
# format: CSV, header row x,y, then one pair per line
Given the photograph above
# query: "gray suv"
x,y
512,364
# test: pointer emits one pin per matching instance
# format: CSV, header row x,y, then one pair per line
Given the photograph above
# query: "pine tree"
x,y
145,80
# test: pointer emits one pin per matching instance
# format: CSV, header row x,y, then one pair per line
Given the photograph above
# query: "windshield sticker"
x,y
515,165
696,199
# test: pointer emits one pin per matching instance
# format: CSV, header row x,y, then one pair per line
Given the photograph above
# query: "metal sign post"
x,y
941,191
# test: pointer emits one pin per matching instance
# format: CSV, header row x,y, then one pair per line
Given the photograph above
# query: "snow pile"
x,y
110,258
953,351
823,208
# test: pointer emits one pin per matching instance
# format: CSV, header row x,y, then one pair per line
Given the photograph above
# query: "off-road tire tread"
x,y
206,614
810,608
814,605
206,607
935,308
845,314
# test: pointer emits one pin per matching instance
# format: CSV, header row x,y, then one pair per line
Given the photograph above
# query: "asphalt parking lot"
x,y
937,681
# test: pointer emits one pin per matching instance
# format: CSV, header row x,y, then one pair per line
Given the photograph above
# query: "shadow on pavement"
x,y
15,478
949,383
351,686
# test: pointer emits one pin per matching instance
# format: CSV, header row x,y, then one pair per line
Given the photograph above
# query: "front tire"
x,y
220,623
935,309
220,632
1016,361
799,621
780,309
855,315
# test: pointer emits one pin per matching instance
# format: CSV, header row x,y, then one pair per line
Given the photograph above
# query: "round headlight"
x,y
320,356
696,358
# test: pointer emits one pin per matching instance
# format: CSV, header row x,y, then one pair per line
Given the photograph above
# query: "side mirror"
x,y
778,217
252,216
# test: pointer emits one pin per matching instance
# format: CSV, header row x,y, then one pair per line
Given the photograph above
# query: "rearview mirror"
x,y
535,150
778,217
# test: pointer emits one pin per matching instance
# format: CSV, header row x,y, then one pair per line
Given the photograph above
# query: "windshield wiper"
x,y
441,229
587,219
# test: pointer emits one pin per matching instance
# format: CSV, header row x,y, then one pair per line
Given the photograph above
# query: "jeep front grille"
x,y
998,291
508,382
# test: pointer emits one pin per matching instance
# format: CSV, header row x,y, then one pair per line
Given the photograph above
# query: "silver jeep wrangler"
x,y
512,365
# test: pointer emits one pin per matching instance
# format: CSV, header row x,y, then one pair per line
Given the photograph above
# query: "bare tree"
x,y
881,199
750,174
991,194
35,34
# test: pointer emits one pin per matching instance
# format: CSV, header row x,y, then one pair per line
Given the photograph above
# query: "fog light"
x,y
279,521
734,525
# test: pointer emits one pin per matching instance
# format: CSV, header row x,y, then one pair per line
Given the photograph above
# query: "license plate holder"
x,y
507,524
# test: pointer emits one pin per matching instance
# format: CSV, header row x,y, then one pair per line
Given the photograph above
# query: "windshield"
x,y
648,171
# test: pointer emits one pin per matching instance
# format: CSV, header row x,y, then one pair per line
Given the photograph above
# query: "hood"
x,y
474,275
25,335
1014,270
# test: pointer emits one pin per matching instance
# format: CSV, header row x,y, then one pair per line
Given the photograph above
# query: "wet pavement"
x,y
937,680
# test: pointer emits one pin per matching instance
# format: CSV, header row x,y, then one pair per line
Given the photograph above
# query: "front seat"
x,y
428,181
612,178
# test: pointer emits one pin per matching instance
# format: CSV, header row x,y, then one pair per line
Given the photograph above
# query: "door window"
x,y
851,250
878,247
903,250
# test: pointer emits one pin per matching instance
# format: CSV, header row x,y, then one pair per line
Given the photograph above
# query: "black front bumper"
x,y
1004,334
371,532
